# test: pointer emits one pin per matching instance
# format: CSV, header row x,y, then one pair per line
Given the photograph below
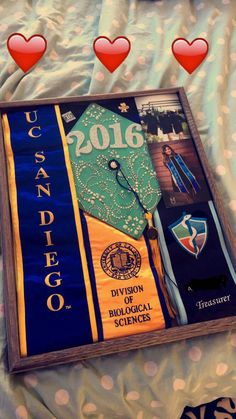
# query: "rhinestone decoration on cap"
x,y
97,189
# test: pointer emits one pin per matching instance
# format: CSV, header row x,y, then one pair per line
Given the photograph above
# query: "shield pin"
x,y
191,233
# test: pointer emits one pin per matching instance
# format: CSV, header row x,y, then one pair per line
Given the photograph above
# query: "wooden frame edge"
x,y
9,285
20,103
228,234
132,342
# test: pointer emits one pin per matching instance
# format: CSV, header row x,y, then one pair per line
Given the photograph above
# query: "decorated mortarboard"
x,y
114,177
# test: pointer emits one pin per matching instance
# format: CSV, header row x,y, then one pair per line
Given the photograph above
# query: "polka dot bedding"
x,y
155,382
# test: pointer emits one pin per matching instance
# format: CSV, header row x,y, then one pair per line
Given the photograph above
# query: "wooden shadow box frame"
x,y
18,363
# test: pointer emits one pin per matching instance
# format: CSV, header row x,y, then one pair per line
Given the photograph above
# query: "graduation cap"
x,y
114,177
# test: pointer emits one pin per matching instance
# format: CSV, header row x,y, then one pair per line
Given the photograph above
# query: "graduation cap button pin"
x,y
114,164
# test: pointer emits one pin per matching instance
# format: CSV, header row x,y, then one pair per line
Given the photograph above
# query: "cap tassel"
x,y
152,234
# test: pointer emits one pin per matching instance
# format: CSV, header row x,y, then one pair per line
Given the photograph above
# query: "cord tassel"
x,y
156,256
151,233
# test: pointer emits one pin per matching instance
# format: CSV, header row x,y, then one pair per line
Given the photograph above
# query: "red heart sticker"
x,y
26,53
190,55
111,53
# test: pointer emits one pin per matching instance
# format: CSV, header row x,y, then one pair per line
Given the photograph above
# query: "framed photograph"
x,y
114,236
179,172
162,117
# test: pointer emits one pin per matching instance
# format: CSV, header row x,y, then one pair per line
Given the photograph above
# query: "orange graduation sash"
x,y
127,290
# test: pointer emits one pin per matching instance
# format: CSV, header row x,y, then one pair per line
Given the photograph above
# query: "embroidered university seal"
x,y
191,233
121,261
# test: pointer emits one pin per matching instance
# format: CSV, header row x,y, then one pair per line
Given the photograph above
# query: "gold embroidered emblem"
x,y
123,107
121,261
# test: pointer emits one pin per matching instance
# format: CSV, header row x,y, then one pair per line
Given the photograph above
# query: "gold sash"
x,y
126,288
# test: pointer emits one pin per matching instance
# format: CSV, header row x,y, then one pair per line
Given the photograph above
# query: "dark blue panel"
x,y
204,273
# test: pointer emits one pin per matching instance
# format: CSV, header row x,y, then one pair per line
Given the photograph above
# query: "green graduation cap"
x,y
114,177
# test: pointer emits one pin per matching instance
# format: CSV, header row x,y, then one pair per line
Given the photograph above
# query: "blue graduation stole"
x,y
176,176
55,306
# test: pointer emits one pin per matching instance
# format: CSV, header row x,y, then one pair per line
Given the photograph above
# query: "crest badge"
x,y
191,233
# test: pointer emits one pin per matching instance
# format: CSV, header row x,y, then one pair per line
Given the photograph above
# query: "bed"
x,y
156,382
